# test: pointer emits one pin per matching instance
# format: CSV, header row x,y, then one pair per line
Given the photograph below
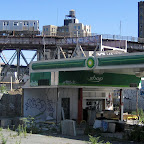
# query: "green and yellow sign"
x,y
90,62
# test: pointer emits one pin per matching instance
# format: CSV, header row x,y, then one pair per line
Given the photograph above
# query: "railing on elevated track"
x,y
104,36
64,35
47,40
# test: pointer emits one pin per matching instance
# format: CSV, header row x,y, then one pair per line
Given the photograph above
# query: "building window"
x,y
78,27
52,29
25,23
34,23
46,29
5,23
75,27
75,33
141,17
15,23
141,34
141,10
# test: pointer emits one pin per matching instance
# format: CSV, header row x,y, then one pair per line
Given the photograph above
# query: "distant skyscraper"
x,y
141,19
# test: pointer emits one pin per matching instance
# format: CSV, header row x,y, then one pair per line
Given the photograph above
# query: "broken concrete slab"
x,y
5,123
68,127
111,127
118,135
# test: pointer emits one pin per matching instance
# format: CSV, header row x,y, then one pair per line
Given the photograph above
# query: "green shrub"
x,y
3,89
95,140
137,134
20,130
31,124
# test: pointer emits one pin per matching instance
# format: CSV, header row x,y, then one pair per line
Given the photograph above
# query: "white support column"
x,y
100,46
125,45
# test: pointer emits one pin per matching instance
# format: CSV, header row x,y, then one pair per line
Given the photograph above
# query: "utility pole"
x,y
120,35
120,28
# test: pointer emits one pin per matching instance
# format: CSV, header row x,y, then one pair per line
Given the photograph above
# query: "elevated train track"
x,y
37,42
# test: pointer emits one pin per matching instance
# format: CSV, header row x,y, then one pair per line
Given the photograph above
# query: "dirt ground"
x,y
11,137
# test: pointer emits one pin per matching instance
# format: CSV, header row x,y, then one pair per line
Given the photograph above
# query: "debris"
x,y
16,91
130,117
97,124
49,118
68,127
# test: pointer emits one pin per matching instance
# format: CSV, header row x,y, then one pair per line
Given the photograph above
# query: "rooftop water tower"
x,y
72,13
71,18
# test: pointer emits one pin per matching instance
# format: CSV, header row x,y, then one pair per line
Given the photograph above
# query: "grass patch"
x,y
3,139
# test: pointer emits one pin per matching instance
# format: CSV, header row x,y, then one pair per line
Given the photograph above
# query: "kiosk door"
x,y
65,103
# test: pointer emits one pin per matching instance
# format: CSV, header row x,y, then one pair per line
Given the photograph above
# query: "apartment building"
x,y
71,28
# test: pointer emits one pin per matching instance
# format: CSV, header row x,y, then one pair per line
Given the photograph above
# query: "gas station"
x,y
79,87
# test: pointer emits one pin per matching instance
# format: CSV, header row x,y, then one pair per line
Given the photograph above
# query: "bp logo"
x,y
90,62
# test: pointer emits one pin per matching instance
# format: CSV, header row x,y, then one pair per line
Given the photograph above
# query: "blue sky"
x,y
104,16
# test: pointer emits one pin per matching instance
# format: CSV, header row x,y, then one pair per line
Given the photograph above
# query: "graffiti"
x,y
50,105
40,105
36,103
130,96
45,102
127,93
